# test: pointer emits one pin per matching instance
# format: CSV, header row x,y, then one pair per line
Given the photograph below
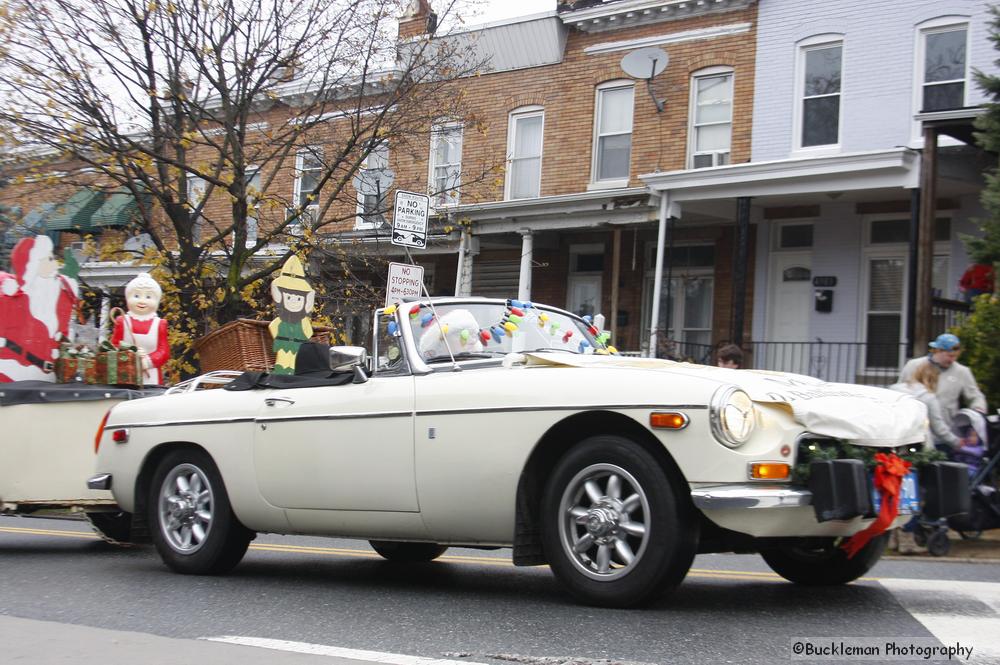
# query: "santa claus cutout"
x,y
142,328
36,303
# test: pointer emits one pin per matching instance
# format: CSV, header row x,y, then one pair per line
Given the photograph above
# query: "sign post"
x,y
405,281
409,219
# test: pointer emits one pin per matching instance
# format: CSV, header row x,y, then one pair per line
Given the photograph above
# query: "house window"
x,y
883,231
819,112
373,184
308,170
524,150
943,65
613,128
446,164
686,301
795,236
711,119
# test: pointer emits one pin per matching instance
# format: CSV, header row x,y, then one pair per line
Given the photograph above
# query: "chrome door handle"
x,y
273,401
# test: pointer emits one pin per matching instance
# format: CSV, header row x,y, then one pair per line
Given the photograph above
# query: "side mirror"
x,y
346,357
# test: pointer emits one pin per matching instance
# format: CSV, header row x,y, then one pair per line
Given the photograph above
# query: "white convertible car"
x,y
491,423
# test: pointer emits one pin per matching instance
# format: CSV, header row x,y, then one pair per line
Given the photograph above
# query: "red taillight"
x,y
120,436
100,432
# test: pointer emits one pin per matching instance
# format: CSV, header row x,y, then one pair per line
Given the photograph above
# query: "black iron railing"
x,y
843,362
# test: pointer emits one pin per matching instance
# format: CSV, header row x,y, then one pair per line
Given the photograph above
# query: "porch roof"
x,y
895,168
628,205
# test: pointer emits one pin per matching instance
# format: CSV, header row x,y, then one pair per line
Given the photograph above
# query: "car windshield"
x,y
485,330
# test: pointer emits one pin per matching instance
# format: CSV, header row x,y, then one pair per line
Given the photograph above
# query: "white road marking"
x,y
953,611
338,652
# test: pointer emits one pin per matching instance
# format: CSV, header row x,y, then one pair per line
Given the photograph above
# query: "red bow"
x,y
889,476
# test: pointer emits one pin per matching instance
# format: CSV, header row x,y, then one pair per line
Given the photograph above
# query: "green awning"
x,y
118,210
75,214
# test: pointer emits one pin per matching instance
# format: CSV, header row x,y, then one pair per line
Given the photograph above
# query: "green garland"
x,y
915,454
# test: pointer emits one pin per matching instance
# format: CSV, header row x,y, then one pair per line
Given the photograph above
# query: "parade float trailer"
x,y
48,451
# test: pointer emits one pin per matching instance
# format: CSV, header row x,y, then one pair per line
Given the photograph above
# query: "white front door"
x,y
584,294
790,298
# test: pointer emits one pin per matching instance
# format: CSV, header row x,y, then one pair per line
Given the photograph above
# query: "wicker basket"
x,y
243,345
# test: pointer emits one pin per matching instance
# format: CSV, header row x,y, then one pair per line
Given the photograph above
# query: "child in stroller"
x,y
979,448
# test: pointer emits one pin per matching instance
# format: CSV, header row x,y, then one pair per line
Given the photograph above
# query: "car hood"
x,y
863,415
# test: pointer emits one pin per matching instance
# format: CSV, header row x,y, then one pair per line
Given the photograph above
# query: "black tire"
x,y
225,540
400,552
114,527
824,564
592,524
938,543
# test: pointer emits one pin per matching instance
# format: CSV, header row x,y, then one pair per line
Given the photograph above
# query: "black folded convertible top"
x,y
42,392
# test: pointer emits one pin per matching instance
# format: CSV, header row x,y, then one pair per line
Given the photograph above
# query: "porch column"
x,y
616,268
922,333
460,266
468,250
661,236
911,273
524,282
742,240
104,323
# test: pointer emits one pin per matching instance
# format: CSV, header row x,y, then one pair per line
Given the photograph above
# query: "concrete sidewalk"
x,y
985,549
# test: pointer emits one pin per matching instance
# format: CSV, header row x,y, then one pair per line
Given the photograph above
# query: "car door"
x,y
346,447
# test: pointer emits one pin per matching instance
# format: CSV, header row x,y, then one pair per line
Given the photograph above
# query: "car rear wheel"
x,y
194,528
614,530
407,552
823,563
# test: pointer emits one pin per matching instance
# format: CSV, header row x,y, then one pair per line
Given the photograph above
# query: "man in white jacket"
x,y
956,386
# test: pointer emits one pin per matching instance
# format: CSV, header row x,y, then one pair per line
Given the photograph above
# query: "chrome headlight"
x,y
733,416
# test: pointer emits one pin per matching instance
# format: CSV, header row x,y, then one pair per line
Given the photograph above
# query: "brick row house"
x,y
766,187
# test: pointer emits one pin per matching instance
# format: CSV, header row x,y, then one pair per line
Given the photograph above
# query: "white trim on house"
x,y
802,48
692,152
897,167
672,38
512,118
599,97
920,32
642,12
452,196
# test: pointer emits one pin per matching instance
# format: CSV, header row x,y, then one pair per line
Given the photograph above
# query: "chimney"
x,y
418,20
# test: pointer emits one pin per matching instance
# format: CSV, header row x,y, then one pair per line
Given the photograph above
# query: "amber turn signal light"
x,y
668,420
770,471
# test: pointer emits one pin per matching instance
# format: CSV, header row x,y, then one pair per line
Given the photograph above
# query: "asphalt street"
x,y
469,606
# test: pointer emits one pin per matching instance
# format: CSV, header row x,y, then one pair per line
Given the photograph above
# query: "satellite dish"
x,y
645,63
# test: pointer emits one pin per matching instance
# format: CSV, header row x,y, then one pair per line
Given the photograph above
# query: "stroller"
x,y
982,455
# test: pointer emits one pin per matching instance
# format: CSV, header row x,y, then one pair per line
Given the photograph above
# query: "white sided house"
x,y
863,177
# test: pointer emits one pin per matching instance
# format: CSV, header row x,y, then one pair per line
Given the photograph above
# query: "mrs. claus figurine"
x,y
142,328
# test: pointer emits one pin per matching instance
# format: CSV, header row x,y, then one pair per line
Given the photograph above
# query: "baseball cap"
x,y
945,342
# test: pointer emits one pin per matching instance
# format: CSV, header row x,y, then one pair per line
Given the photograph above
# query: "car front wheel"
x,y
614,530
823,563
402,552
194,528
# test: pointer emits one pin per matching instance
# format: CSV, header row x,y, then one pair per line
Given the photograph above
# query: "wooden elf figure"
x,y
293,301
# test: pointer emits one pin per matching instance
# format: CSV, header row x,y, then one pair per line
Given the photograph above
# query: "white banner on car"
x,y
409,219
404,281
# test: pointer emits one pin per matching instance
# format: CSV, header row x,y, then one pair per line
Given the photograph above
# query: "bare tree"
x,y
203,110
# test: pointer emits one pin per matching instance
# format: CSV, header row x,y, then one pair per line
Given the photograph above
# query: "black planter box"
x,y
944,487
840,489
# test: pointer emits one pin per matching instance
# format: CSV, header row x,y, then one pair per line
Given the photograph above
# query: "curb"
x,y
921,558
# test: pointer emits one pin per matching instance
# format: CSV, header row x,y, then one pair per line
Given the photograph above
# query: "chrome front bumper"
x,y
722,497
